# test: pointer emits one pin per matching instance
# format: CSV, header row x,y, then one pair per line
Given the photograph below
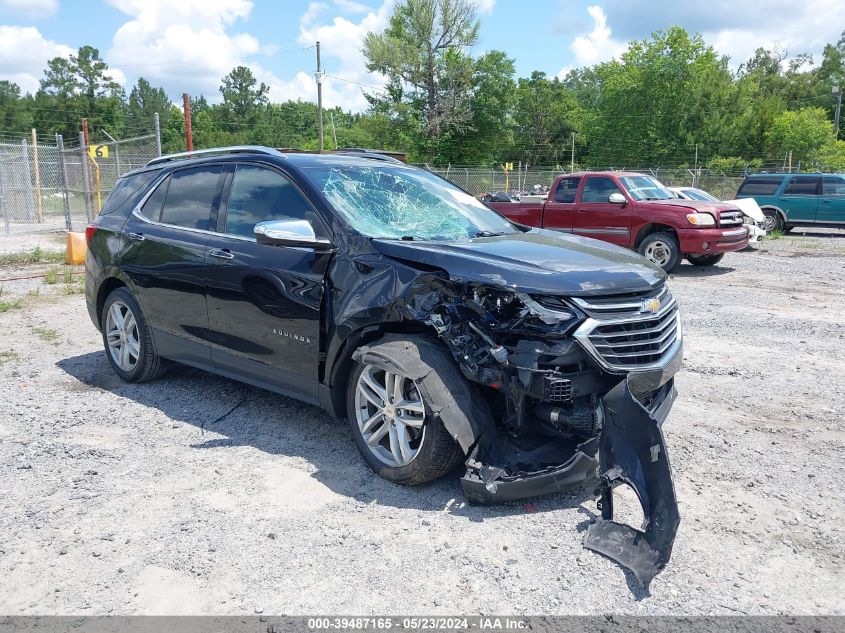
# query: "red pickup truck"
x,y
636,211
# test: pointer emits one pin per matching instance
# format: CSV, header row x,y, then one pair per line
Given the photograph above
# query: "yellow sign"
x,y
98,151
507,167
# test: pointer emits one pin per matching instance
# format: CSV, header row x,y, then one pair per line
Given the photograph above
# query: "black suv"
x,y
443,332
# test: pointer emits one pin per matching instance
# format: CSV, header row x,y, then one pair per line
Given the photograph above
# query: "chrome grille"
x,y
731,218
623,335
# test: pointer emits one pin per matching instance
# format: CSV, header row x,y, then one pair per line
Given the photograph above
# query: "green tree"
x,y
243,96
803,132
14,114
546,116
75,87
661,99
423,53
144,101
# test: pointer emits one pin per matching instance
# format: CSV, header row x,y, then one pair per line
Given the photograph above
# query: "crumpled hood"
x,y
538,261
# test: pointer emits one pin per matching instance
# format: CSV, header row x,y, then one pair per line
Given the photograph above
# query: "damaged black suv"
x,y
443,332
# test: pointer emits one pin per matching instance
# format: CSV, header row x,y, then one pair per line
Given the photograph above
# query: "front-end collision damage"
x,y
540,416
632,451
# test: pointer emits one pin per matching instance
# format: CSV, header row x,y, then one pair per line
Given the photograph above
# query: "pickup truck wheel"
x,y
773,221
705,260
391,414
128,340
661,249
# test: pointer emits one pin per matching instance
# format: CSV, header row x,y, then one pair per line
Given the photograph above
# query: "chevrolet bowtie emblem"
x,y
650,305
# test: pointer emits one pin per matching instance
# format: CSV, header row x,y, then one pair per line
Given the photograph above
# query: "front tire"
x,y
128,339
661,249
705,260
394,409
773,221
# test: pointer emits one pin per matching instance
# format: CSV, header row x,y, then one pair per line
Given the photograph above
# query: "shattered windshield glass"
x,y
399,202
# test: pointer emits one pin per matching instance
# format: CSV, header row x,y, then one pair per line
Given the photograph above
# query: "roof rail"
x,y
234,149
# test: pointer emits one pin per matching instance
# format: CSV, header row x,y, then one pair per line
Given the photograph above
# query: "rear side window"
x,y
152,207
566,189
190,197
833,186
803,186
759,187
598,189
124,190
259,194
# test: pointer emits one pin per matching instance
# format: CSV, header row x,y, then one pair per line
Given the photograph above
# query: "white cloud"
x,y
350,6
734,28
485,6
31,8
24,53
185,46
596,46
340,40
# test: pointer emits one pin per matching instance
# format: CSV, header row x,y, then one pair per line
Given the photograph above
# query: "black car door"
x,y
264,301
168,236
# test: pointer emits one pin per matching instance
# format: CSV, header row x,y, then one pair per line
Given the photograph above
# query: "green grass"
x,y
5,306
68,276
8,357
774,235
34,293
46,334
51,277
36,256
77,288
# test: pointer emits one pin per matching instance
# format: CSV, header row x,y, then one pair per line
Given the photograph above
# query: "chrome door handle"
x,y
220,253
138,237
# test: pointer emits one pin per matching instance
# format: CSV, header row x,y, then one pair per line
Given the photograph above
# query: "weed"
x,y
36,256
774,235
46,334
34,292
8,356
5,306
68,276
51,276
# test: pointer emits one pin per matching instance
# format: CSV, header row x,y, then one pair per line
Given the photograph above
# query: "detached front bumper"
x,y
711,241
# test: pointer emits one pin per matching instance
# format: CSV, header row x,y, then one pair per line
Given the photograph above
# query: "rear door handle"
x,y
582,210
138,237
223,253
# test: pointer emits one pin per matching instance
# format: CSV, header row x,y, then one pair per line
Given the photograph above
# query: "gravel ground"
x,y
196,494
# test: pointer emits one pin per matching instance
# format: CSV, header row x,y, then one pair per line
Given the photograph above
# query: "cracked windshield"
x,y
396,202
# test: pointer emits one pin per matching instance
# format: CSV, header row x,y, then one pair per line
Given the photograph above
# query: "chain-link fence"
x,y
49,187
480,180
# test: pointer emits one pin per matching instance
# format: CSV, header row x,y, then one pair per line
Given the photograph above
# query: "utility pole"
x,y
319,77
837,90
572,156
186,108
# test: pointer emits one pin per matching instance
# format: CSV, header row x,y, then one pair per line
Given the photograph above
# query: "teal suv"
x,y
790,200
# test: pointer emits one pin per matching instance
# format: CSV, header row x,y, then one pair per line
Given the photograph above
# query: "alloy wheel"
x,y
122,336
391,416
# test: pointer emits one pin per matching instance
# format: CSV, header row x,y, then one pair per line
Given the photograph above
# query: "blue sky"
x,y
188,45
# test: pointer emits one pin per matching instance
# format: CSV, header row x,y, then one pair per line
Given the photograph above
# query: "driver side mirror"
x,y
616,198
289,233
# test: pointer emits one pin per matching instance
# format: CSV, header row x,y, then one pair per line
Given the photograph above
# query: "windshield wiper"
x,y
488,234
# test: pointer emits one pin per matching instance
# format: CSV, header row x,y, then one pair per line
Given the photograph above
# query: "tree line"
x,y
670,100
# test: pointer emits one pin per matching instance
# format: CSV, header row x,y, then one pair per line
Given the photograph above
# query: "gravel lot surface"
x,y
196,494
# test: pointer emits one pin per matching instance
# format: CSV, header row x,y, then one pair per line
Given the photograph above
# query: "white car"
x,y
753,216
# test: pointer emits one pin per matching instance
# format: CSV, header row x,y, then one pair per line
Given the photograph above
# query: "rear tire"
x,y
380,423
773,221
705,260
128,339
661,249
